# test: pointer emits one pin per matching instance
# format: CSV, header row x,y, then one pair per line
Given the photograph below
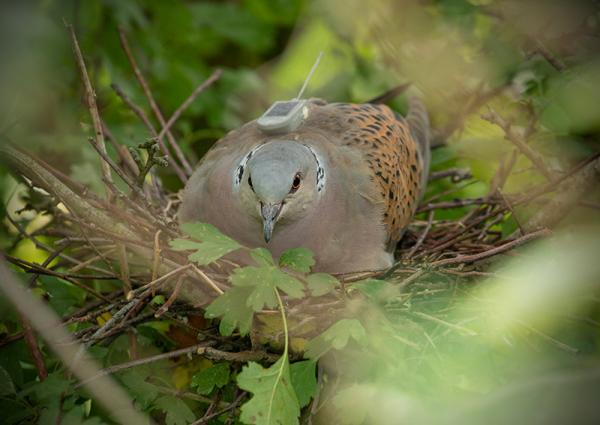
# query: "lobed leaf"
x,y
336,337
213,245
207,379
299,259
274,400
304,380
321,283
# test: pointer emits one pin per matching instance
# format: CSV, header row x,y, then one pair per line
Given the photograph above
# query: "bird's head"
x,y
280,182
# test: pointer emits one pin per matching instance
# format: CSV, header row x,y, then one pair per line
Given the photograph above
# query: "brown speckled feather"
x,y
392,152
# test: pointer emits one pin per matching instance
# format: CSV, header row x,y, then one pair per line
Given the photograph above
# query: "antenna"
x,y
309,76
284,116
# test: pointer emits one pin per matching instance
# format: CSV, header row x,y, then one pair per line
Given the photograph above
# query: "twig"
x,y
165,307
494,251
231,406
510,135
186,103
456,174
35,268
34,350
45,321
454,326
423,235
155,109
90,97
195,349
457,203
208,280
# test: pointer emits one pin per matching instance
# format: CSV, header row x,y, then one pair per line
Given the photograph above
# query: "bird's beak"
x,y
269,213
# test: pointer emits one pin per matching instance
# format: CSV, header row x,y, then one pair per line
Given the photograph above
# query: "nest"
x,y
125,236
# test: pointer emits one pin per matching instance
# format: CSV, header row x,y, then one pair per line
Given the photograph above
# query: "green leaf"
x,y
158,300
304,380
7,386
213,245
299,259
178,413
264,280
262,256
321,284
207,379
233,310
337,337
377,290
274,400
253,289
143,392
52,388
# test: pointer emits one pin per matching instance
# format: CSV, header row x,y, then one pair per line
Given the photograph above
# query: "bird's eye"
x,y
250,182
296,183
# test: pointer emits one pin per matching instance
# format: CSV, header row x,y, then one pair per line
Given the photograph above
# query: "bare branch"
x,y
90,98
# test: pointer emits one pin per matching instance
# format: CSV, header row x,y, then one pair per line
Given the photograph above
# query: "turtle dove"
x,y
344,184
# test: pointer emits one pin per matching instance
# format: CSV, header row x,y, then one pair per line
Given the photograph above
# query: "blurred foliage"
x,y
437,347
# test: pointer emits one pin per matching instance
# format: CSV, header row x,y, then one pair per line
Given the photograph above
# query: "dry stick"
x,y
186,103
107,393
494,251
208,280
231,406
202,349
472,105
155,109
457,203
34,350
43,246
106,159
423,235
35,268
454,326
155,258
155,283
510,135
165,307
455,174
551,58
142,115
121,150
195,349
90,97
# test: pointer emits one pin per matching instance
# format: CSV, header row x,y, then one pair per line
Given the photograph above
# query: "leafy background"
x,y
399,357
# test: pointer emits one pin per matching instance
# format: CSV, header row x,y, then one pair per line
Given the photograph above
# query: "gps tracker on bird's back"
x,y
283,116
287,115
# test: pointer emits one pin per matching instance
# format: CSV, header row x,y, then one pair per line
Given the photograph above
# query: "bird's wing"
x,y
388,145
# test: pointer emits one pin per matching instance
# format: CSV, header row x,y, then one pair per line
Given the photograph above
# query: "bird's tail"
x,y
418,121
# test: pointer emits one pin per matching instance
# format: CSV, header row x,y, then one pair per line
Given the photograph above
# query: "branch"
x,y
186,103
494,251
90,98
510,135
155,109
48,324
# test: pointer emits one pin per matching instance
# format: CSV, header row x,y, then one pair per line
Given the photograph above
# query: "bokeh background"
x,y
529,327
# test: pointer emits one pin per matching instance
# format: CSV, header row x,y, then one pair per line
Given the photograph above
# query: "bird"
x,y
345,183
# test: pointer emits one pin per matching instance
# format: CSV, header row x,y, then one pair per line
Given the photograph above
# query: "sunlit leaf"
x,y
299,259
274,400
321,284
178,413
213,245
304,380
336,337
207,379
233,310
